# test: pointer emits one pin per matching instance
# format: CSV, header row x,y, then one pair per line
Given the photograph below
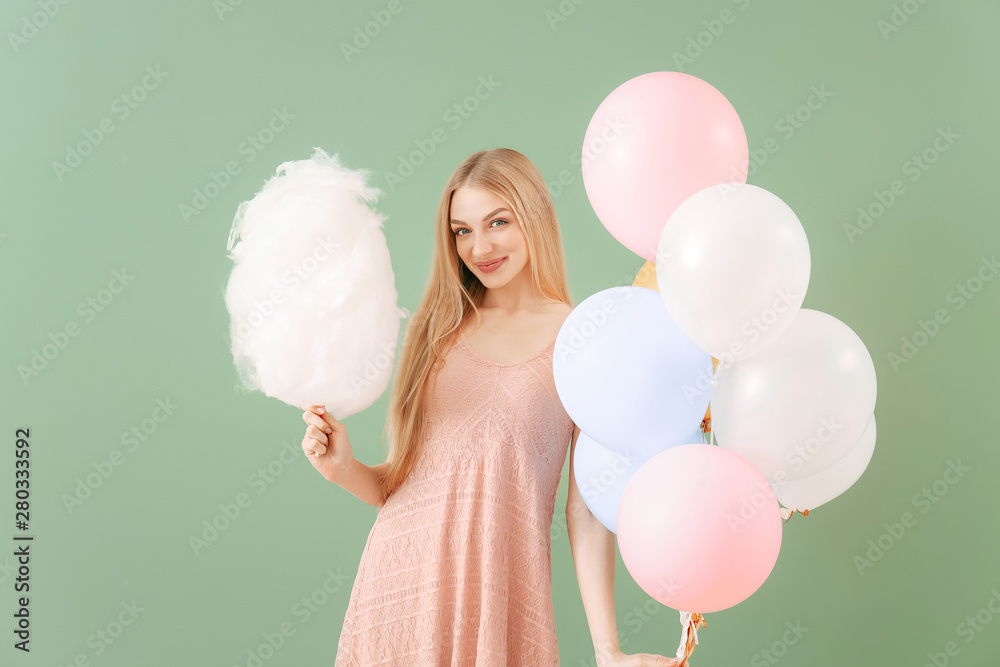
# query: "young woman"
x,y
457,568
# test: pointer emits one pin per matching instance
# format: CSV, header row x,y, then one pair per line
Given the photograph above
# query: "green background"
x,y
164,336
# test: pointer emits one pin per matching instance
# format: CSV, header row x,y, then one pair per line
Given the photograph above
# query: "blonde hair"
x,y
452,291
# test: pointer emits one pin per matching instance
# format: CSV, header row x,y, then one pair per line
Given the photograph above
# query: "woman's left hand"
x,y
619,659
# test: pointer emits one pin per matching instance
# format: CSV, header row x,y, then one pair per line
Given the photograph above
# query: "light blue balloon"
x,y
626,373
601,475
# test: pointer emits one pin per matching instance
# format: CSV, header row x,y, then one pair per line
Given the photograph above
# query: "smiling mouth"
x,y
490,265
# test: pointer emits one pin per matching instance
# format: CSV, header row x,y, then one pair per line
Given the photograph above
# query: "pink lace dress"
x,y
457,568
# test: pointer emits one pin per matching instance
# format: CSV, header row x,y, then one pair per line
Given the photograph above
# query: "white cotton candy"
x,y
312,296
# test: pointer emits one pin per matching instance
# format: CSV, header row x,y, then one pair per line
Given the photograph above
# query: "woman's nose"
x,y
482,247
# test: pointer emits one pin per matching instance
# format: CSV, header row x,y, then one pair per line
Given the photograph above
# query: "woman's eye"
x,y
457,231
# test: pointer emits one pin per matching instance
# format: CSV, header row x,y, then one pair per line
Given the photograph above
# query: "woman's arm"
x,y
593,548
364,481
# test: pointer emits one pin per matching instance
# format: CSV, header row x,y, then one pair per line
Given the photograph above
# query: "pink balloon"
x,y
652,143
699,528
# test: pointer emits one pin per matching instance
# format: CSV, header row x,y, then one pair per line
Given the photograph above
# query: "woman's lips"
x,y
490,267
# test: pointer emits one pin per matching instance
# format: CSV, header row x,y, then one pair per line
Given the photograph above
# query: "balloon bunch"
x,y
714,317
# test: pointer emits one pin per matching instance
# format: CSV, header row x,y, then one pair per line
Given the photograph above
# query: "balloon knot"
x,y
792,512
689,636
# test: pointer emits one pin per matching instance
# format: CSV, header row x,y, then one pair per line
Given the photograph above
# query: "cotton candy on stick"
x,y
312,299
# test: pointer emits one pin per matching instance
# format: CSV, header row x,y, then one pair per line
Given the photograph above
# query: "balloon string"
x,y
690,622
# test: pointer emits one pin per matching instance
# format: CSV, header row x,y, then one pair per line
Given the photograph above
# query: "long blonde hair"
x,y
453,291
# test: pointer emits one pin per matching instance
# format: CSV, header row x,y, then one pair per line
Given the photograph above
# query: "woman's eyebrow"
x,y
487,217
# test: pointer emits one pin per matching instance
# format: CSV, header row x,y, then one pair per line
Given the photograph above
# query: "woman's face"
x,y
485,229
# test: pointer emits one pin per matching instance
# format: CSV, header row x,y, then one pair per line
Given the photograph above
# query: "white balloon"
x,y
817,489
733,267
312,297
800,404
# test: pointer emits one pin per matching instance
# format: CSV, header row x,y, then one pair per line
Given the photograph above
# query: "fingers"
x,y
331,422
324,417
320,424
316,434
313,448
313,419
318,449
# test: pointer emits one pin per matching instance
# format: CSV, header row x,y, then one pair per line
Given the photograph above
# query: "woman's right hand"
x,y
326,444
